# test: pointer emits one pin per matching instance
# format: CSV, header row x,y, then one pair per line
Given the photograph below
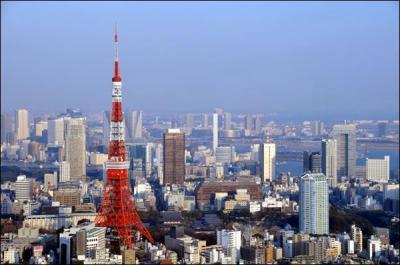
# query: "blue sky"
x,y
311,59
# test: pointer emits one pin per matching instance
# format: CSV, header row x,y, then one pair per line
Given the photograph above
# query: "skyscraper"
x,y
311,162
345,136
205,120
21,124
257,124
378,169
215,132
6,128
314,204
76,148
227,120
189,120
55,131
174,157
329,161
267,154
134,125
248,122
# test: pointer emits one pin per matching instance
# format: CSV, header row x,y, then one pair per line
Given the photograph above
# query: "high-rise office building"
x,y
314,204
174,157
311,162
257,124
227,121
64,171
106,127
215,132
378,170
189,120
76,148
248,122
21,124
56,131
134,125
6,128
267,156
357,236
329,161
23,188
205,120
345,136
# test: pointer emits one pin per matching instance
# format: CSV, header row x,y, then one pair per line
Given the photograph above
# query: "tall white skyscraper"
x,y
378,170
106,127
345,136
134,125
55,131
21,124
231,240
314,204
64,171
267,156
329,161
76,148
23,188
215,132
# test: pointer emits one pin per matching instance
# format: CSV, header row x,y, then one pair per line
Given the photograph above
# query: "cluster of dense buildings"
x,y
183,172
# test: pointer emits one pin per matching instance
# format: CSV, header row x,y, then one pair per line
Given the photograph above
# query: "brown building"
x,y
269,253
67,198
174,157
207,189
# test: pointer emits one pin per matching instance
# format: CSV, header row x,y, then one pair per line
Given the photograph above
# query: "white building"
x,y
11,256
314,204
134,123
64,171
215,132
231,240
55,131
329,161
378,169
374,247
267,155
21,124
23,188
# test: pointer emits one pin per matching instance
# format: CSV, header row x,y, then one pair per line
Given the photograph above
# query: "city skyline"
x,y
253,51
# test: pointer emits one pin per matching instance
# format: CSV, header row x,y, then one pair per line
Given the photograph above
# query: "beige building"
x,y
76,148
21,124
267,156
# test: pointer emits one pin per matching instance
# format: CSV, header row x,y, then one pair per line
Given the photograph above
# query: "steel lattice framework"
x,y
117,209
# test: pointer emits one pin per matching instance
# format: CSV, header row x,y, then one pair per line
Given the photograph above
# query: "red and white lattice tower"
x,y
117,209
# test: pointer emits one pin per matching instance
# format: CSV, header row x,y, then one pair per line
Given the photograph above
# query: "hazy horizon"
x,y
300,60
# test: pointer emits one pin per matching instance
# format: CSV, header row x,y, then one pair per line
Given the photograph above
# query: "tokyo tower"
x,y
117,209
